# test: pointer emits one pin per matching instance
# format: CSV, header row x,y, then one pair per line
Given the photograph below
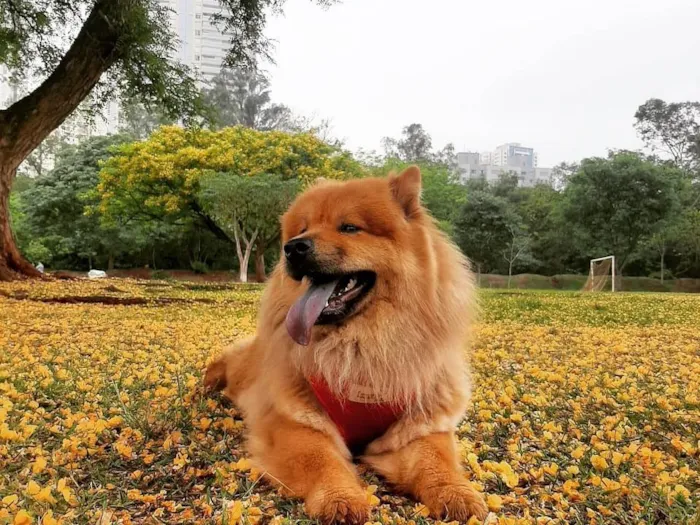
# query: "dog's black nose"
x,y
297,250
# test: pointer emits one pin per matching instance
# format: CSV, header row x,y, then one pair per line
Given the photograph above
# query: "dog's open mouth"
x,y
329,299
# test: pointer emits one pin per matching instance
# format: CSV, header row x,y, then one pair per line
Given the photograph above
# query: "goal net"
x,y
601,275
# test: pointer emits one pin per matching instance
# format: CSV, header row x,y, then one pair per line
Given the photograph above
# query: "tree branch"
x,y
211,225
30,120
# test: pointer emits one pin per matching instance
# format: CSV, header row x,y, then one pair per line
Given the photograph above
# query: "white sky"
x,y
562,76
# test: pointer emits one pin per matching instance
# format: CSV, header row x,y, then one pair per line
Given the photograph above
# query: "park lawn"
x,y
586,408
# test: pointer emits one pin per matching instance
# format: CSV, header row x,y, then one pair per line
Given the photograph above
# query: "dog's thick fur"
x,y
406,341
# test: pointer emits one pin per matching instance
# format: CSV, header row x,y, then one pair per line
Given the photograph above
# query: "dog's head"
x,y
353,242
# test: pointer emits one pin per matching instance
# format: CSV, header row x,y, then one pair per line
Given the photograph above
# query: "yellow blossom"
x,y
22,518
39,465
599,463
494,502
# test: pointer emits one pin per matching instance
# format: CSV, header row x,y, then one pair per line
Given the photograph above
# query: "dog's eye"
x,y
349,228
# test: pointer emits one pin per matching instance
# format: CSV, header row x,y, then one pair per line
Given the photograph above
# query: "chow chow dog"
x,y
359,353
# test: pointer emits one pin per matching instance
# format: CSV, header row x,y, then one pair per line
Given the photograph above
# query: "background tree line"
x,y
167,197
210,198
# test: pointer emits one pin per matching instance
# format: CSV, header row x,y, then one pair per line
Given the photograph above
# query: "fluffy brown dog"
x,y
360,348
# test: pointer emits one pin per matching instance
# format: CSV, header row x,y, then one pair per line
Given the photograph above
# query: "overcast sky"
x,y
561,76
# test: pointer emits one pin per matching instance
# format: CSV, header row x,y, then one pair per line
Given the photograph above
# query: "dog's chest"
x,y
359,416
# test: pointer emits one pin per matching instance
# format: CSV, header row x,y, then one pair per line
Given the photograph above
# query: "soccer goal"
x,y
602,269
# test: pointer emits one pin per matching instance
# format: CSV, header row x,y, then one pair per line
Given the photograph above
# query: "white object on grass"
x,y
96,274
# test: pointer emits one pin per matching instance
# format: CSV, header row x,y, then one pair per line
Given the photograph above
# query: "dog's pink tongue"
x,y
303,314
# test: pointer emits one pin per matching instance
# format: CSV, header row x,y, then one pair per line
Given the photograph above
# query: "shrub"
x,y
160,275
199,267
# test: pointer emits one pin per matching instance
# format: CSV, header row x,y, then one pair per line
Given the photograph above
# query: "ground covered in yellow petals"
x,y
586,408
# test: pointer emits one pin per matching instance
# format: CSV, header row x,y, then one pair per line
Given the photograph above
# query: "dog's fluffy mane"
x,y
410,344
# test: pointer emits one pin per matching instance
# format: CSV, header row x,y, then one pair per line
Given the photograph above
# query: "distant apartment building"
x,y
202,45
515,155
507,159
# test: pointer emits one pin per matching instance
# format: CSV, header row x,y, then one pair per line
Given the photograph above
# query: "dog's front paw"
x,y
455,502
338,505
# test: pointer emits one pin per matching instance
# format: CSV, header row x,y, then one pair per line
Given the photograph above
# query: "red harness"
x,y
358,423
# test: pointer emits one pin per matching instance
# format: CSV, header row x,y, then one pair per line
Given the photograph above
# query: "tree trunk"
x,y
243,257
12,264
27,122
510,273
110,262
260,275
663,255
243,271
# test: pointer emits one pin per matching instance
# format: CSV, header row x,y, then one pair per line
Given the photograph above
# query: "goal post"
x,y
601,268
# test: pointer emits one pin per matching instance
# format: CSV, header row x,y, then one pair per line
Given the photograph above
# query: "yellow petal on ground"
x,y
494,502
22,518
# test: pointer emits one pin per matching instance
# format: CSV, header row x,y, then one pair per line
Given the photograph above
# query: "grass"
x,y
573,282
586,408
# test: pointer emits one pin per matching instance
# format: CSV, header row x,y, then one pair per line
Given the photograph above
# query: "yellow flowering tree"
x,y
161,178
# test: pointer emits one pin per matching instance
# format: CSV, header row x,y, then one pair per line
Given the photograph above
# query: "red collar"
x,y
359,423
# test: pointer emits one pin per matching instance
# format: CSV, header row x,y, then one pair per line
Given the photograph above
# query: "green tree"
x,y
687,243
562,172
414,145
126,44
517,251
242,97
484,229
506,187
248,209
54,207
31,245
555,243
672,128
139,122
618,201
161,178
442,194
44,156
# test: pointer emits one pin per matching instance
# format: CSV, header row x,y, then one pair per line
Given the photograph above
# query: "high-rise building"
x,y
507,159
202,45
515,155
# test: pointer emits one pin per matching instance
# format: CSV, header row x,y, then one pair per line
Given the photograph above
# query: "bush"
x,y
199,267
160,275
657,275
37,253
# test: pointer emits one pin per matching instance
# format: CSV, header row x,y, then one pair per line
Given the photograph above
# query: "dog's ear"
x,y
406,188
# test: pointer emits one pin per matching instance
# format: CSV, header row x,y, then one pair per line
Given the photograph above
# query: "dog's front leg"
x,y
429,469
308,464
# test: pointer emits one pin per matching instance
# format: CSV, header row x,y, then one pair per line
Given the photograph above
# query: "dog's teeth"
x,y
326,305
351,284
